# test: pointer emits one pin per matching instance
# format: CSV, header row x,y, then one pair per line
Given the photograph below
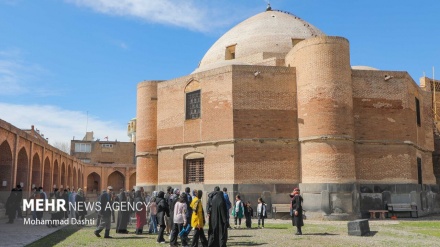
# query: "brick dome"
x,y
270,32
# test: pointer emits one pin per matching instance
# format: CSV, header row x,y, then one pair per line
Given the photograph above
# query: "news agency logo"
x,y
57,205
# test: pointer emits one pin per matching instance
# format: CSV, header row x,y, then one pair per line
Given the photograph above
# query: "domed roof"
x,y
269,32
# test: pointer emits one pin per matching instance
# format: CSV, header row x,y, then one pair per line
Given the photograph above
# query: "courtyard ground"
x,y
402,232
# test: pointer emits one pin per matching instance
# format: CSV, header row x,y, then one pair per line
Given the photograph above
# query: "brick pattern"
x,y
314,120
34,161
120,153
218,164
266,162
146,133
216,109
325,108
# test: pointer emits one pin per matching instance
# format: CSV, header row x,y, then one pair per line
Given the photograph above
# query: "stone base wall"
x,y
328,201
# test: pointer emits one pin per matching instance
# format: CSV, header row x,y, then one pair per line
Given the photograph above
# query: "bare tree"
x,y
63,146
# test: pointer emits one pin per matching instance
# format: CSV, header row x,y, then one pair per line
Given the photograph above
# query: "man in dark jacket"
x,y
19,201
105,212
218,227
163,210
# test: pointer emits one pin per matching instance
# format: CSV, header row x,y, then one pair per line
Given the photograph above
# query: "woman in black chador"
x,y
123,215
297,211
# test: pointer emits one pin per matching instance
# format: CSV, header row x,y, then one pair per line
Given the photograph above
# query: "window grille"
x,y
195,171
193,105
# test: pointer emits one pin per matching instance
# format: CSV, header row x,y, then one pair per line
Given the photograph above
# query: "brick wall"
x,y
325,109
265,125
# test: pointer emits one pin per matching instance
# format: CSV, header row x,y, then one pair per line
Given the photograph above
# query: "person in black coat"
x,y
163,210
123,215
297,217
248,213
11,206
218,223
105,212
19,199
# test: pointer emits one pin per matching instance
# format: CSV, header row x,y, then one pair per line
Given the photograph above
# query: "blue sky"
x,y
71,65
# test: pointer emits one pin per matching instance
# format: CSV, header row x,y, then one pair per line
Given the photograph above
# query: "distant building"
x,y
131,130
275,104
106,162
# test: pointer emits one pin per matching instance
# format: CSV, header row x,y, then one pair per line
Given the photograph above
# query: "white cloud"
x,y
60,125
20,77
195,15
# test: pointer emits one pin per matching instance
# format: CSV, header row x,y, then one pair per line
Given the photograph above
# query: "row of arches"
x,y
30,174
33,171
116,179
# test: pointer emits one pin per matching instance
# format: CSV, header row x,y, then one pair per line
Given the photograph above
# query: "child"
x,y
261,211
248,212
238,211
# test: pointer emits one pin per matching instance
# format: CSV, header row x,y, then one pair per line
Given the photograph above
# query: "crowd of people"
x,y
70,197
173,213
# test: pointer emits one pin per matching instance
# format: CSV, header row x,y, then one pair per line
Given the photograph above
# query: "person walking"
x,y
172,202
11,206
188,214
141,212
198,221
81,210
248,213
261,212
152,208
217,216
162,210
19,201
179,219
228,204
123,214
297,217
105,213
168,197
238,211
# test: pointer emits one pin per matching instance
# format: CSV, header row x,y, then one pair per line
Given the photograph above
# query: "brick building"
x,y
105,163
27,159
275,104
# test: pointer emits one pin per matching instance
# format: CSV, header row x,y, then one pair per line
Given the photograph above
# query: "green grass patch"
x,y
430,228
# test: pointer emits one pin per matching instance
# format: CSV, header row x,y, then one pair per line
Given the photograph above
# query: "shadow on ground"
x,y
245,244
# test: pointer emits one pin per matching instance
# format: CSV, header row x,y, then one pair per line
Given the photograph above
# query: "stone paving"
x,y
20,234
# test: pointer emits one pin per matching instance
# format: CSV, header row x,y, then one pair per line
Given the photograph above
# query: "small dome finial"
x,y
268,8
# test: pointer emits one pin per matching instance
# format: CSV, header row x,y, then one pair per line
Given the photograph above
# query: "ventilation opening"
x,y
230,52
419,122
296,41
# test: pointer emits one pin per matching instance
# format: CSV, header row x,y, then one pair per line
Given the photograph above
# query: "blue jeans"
x,y
153,224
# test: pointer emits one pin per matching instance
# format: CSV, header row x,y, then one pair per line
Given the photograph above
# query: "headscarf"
x,y
161,194
182,197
